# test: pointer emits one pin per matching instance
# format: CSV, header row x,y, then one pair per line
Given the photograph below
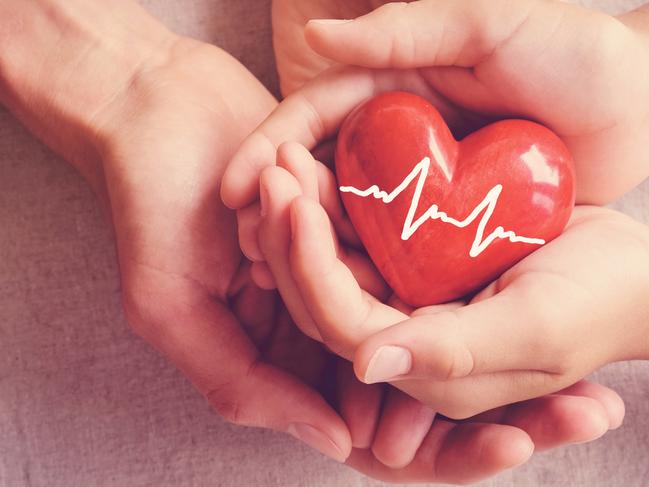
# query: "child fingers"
x,y
368,277
297,160
248,220
240,183
330,200
345,315
308,117
309,173
278,188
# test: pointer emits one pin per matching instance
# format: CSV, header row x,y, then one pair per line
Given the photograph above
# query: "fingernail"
x,y
263,200
317,439
331,21
387,363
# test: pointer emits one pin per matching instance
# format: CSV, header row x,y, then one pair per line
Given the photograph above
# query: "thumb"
x,y
425,33
204,339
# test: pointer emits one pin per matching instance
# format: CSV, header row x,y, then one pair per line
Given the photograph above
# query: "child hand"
x,y
571,307
404,437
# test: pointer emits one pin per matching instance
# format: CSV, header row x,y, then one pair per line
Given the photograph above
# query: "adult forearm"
x,y
63,61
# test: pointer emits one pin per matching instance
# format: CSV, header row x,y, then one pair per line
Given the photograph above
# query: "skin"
x,y
312,273
297,63
532,332
502,75
313,115
150,120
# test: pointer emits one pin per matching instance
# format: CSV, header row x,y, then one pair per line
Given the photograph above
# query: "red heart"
x,y
519,169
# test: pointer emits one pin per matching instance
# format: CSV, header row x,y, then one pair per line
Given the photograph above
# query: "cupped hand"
x,y
569,308
579,72
164,143
311,270
187,289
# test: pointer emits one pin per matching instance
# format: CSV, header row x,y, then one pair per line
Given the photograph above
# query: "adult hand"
x,y
151,119
297,63
579,72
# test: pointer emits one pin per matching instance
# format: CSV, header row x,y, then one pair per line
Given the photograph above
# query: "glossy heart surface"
x,y
440,218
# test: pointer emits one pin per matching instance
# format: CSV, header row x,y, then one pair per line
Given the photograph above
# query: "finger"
x,y
318,183
425,33
359,405
344,314
553,420
298,161
469,396
608,398
262,276
310,116
203,339
330,201
365,273
248,220
301,164
404,424
278,188
514,330
556,420
455,454
303,117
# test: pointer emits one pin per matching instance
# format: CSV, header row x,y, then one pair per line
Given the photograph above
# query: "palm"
x,y
576,71
297,63
183,275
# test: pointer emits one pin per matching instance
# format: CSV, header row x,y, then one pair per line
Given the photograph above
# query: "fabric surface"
x,y
85,403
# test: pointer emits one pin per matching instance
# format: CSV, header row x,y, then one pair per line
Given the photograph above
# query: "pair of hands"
x,y
162,140
545,323
475,356
188,292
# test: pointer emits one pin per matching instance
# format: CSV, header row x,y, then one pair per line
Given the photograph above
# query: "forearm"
x,y
63,61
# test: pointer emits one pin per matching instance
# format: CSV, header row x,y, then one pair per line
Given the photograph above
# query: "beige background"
x,y
85,403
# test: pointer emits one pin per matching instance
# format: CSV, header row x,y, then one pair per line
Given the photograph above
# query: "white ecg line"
x,y
410,226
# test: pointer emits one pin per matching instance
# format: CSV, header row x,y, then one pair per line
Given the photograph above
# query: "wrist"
x,y
62,62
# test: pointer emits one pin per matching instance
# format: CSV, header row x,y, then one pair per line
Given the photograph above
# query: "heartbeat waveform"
x,y
410,226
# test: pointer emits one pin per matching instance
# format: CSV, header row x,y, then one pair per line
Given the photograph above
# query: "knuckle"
x,y
448,401
454,359
445,355
228,405
231,402
458,410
